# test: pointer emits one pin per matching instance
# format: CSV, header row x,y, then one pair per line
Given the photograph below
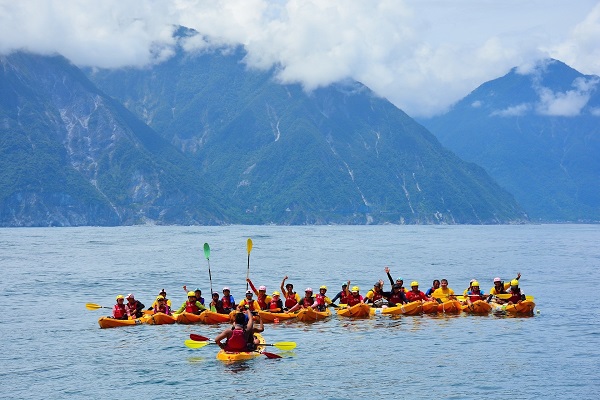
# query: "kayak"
x,y
359,310
450,307
188,318
275,317
242,355
522,308
430,307
310,314
478,307
412,308
160,319
211,317
110,322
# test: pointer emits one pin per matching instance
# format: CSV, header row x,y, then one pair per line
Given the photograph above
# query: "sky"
x,y
422,55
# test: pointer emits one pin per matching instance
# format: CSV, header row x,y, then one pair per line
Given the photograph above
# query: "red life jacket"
x,y
515,297
475,296
412,296
344,298
237,341
396,298
354,300
191,307
320,299
262,302
132,308
377,296
307,302
227,303
275,304
119,311
165,309
290,300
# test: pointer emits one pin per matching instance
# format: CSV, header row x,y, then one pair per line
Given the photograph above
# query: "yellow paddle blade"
x,y
530,298
92,306
192,344
249,245
503,296
285,345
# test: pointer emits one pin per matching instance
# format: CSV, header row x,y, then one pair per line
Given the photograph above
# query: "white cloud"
x,y
513,111
569,103
422,55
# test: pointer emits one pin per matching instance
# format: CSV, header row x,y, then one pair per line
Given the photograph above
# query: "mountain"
x,y
335,155
70,155
536,132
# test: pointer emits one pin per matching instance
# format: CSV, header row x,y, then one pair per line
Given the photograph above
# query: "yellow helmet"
x,y
355,289
120,297
191,294
276,293
474,283
160,298
323,287
414,283
514,282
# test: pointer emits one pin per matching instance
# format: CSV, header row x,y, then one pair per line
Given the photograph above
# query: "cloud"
x,y
422,55
513,111
569,103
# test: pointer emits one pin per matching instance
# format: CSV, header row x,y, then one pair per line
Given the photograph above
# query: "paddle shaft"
x,y
249,249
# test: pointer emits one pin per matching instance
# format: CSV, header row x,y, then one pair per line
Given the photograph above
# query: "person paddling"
x,y
162,293
474,294
250,302
119,309
216,305
192,305
261,295
306,302
354,297
162,306
228,301
516,295
238,336
341,295
443,294
415,294
135,308
291,298
321,300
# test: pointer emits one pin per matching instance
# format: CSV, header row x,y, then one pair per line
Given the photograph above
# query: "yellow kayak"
x,y
110,322
412,308
310,314
275,317
430,307
450,307
522,308
242,355
478,307
360,310
160,319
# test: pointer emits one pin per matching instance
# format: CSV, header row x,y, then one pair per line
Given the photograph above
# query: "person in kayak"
x,y
399,281
375,295
135,308
119,310
433,288
306,302
276,304
252,339
321,300
500,288
162,306
291,298
228,301
443,294
415,294
249,302
469,288
354,297
474,294
216,305
341,295
261,295
516,295
198,294
191,305
162,293
238,336
396,296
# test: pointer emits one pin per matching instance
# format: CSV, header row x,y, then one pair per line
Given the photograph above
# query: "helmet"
x,y
308,289
248,291
225,288
198,290
160,298
215,294
262,288
129,296
396,286
355,288
162,291
472,280
323,287
497,279
276,293
377,284
120,297
399,279
414,283
191,294
344,284
474,283
514,282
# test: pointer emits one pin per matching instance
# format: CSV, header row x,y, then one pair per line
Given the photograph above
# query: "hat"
x,y
129,296
497,279
396,286
159,298
276,293
162,291
120,297
323,287
355,289
473,280
216,294
262,288
377,284
514,282
226,288
248,291
414,283
308,289
191,294
475,283
198,290
344,284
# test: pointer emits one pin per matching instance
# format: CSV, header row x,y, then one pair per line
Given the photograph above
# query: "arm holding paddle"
x,y
252,286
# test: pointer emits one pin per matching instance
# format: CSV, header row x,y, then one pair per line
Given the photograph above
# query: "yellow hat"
x,y
514,282
355,288
323,287
160,298
191,294
414,283
474,283
120,297
276,293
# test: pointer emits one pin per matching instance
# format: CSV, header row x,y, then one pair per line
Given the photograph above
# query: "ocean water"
x,y
52,347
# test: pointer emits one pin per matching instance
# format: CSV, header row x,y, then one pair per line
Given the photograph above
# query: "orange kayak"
x,y
450,307
357,311
109,322
478,307
413,308
430,307
275,317
522,308
310,314
188,318
211,317
160,319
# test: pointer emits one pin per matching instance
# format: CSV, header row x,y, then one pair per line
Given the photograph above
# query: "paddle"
x,y
279,345
192,344
94,306
207,255
506,296
249,249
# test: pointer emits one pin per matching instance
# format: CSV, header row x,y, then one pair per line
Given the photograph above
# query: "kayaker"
x,y
191,305
276,304
321,300
291,298
341,295
516,295
162,306
253,340
433,288
396,296
353,297
135,308
261,295
501,288
237,337
469,288
415,294
399,281
119,309
375,295
250,302
228,301
216,305
307,301
474,294
443,294
162,293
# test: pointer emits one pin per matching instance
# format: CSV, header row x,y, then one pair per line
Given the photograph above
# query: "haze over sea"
x,y
52,347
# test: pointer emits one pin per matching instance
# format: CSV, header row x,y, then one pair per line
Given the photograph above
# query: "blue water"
x,y
52,347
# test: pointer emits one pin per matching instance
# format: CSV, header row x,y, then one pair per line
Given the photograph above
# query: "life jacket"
x,y
227,302
353,300
377,296
412,296
132,308
262,302
396,298
320,300
475,296
119,311
344,298
191,307
237,341
515,297
307,302
290,300
166,310
253,305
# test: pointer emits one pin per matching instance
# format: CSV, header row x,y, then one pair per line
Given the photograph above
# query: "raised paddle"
x,y
279,345
249,249
94,306
207,255
192,344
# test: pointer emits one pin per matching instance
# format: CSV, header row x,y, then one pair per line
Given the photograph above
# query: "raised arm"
x,y
387,271
282,287
252,286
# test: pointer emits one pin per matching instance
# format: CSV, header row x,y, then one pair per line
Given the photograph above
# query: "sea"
x,y
53,348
